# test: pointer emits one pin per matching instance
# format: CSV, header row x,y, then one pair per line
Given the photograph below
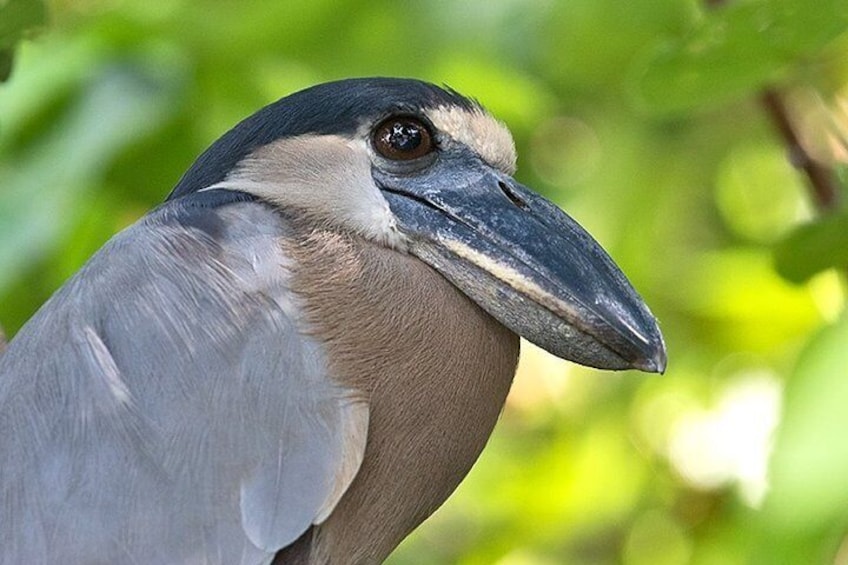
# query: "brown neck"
x,y
434,367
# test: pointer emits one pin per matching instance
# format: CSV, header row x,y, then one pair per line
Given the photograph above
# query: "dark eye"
x,y
402,139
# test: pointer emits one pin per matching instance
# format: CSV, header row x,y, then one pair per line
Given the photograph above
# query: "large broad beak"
x,y
525,262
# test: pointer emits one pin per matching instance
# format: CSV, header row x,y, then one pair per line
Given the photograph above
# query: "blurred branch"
x,y
821,179
3,341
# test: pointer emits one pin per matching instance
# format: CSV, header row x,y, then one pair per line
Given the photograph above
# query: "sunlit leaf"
x,y
813,248
810,462
758,194
734,50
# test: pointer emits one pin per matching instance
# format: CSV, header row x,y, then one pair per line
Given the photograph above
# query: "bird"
x,y
300,353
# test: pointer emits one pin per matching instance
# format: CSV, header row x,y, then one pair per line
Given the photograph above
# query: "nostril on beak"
x,y
513,197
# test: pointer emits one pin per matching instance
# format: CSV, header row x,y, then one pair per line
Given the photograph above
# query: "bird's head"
x,y
427,171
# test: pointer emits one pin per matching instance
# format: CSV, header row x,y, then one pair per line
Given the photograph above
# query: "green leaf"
x,y
17,18
734,50
810,461
7,57
812,248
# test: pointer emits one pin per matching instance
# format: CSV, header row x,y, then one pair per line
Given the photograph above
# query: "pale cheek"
x,y
371,216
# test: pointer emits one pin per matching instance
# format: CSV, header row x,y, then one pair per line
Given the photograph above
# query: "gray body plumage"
x,y
180,412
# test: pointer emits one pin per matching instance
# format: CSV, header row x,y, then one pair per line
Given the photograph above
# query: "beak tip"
x,y
654,361
654,364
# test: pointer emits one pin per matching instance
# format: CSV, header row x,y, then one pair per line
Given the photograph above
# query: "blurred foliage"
x,y
641,119
734,50
814,247
17,18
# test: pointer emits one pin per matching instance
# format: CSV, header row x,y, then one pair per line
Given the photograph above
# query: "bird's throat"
x,y
434,367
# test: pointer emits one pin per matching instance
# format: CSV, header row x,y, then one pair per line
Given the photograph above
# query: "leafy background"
x,y
646,120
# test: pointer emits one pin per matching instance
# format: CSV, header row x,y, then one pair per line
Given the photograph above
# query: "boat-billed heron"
x,y
301,353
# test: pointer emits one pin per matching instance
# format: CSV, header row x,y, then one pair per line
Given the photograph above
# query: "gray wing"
x,y
166,406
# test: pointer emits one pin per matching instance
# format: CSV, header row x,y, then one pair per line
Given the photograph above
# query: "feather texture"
x,y
168,405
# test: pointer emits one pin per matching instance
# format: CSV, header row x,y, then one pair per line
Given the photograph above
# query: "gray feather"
x,y
166,405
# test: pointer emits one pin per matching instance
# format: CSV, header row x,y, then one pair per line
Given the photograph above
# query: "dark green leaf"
x,y
17,17
7,57
735,49
813,248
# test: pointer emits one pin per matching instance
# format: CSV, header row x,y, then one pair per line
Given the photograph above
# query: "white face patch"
x,y
481,132
327,177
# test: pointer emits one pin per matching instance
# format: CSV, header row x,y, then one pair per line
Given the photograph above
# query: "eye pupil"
x,y
402,139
